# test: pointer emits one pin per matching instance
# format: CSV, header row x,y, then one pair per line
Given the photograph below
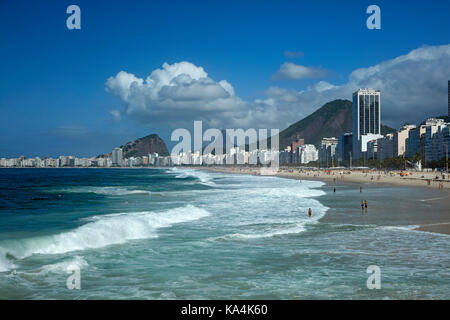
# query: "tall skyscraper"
x,y
366,114
117,157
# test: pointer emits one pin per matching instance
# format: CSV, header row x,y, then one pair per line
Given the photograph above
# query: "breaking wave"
x,y
104,230
203,177
109,191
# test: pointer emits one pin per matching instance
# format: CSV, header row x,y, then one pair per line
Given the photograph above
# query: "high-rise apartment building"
x,y
366,116
117,157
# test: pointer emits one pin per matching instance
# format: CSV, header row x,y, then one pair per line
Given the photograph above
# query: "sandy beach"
x,y
430,213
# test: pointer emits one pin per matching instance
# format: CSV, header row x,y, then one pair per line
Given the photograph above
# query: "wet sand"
x,y
437,228
392,201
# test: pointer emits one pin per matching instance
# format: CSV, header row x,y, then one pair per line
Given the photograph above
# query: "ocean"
x,y
188,234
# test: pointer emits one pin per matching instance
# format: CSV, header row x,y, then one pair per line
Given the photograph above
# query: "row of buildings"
x,y
430,140
72,161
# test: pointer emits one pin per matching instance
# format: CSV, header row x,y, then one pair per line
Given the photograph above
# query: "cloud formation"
x,y
413,87
174,93
292,71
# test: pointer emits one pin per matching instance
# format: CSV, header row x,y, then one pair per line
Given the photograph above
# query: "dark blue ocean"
x,y
189,234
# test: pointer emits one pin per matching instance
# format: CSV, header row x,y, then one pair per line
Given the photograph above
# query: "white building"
x,y
308,153
400,136
117,157
361,148
436,140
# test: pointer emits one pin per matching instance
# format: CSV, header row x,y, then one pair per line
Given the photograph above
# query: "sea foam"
x,y
104,230
109,191
203,177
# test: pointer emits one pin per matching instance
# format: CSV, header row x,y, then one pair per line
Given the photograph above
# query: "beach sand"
x,y
412,202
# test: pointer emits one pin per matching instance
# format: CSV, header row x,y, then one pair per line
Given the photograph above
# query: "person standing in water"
x,y
362,204
365,204
309,212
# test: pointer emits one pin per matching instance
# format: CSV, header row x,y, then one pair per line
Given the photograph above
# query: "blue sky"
x,y
52,89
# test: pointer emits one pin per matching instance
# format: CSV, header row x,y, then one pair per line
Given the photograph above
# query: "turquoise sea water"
x,y
189,234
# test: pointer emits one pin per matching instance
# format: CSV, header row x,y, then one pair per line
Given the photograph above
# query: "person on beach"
x,y
309,212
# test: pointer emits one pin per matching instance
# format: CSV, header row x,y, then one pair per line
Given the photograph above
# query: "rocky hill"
x,y
143,147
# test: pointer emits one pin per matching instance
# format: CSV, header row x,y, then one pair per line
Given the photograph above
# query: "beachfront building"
x,y
361,147
344,147
327,151
436,139
418,140
285,156
153,158
372,149
66,161
307,153
440,143
294,150
432,126
386,147
117,157
400,136
366,117
415,142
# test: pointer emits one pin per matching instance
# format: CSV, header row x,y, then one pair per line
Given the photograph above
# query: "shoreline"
x,y
371,177
354,179
441,198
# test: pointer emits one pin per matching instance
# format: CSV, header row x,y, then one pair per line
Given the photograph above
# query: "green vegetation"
x,y
333,119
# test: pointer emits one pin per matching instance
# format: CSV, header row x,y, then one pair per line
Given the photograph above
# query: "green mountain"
x,y
331,120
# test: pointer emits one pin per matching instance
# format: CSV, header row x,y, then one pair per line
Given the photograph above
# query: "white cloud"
x,y
174,93
323,86
292,71
413,87
116,114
